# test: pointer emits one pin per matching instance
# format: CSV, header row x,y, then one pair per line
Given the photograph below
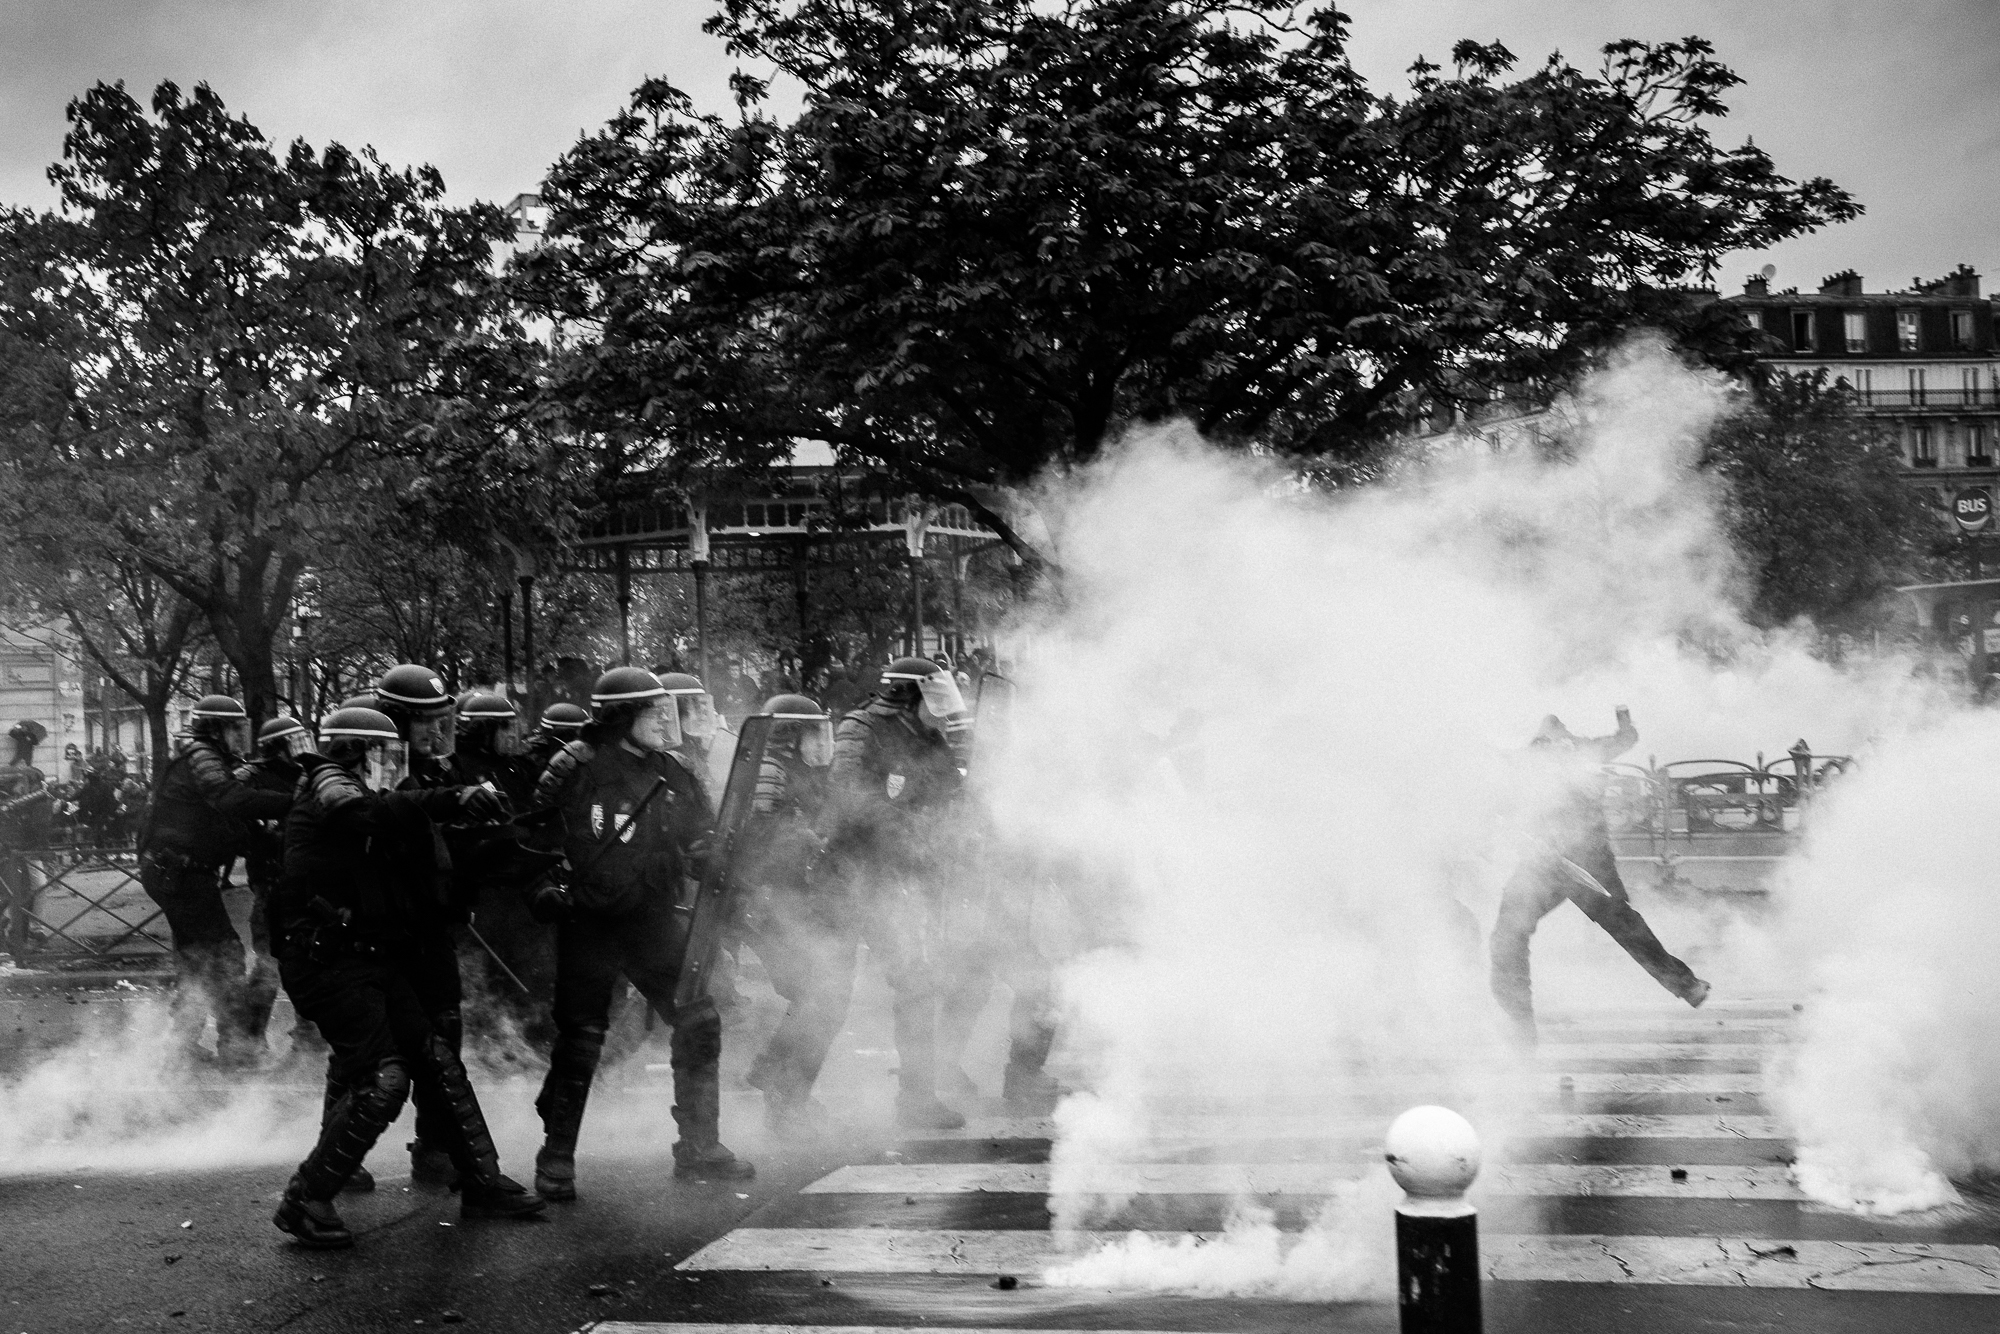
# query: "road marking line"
x,y
1646,1081
1672,1261
1213,1129
1630,1181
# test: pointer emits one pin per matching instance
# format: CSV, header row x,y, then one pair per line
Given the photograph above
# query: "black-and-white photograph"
x,y
1062,666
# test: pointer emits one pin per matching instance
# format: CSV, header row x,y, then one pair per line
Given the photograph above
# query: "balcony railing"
x,y
1927,398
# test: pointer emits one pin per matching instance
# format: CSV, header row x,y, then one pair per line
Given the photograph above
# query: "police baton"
x,y
496,957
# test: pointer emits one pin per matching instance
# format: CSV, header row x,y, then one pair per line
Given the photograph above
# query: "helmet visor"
x,y
658,725
435,734
698,716
387,764
237,736
507,740
296,743
941,696
815,741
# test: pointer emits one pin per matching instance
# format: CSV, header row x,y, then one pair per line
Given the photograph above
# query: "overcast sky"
x,y
1898,100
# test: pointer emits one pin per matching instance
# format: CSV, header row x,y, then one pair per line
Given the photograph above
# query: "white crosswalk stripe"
x,y
856,1220
1176,1130
1255,1179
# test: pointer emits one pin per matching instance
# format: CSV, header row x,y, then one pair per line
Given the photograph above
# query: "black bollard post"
x,y
1433,1154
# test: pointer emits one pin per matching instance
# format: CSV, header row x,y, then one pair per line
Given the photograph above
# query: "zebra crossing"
x,y
1652,1160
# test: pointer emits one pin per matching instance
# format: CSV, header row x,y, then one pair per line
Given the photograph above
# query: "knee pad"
x,y
382,1097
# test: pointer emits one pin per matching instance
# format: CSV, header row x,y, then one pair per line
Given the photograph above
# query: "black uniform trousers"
x,y
593,953
208,954
807,943
384,1009
1535,891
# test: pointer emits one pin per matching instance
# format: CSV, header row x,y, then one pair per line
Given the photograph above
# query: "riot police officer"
x,y
276,768
699,724
632,822
894,783
201,819
798,919
360,926
559,726
514,967
425,717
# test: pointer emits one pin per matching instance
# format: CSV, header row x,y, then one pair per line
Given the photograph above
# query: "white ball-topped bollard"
x,y
1433,1153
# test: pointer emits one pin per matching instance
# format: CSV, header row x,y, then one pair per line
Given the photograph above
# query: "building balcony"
x,y
1906,400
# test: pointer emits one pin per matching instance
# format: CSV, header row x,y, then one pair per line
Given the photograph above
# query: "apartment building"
x,y
1924,360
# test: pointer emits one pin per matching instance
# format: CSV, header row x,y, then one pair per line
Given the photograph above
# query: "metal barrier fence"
x,y
1689,799
67,905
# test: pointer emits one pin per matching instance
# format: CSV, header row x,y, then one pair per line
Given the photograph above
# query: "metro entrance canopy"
x,y
780,523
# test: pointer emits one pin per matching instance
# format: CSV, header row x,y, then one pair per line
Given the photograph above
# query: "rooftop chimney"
x,y
1757,286
1845,283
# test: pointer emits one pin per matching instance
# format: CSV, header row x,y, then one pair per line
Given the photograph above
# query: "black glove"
x,y
483,805
550,902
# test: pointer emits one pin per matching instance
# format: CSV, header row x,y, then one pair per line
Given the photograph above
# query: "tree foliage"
x,y
1001,230
244,357
1821,508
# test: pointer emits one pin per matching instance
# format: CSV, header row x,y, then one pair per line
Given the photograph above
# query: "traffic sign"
x,y
1973,508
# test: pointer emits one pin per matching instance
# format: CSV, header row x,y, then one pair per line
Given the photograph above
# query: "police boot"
x,y
484,1192
700,1153
561,1106
315,1223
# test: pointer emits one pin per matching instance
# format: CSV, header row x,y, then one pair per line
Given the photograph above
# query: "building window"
x,y
1975,446
1917,387
1802,331
1864,386
1754,318
1968,382
1906,330
1923,448
1961,329
1857,331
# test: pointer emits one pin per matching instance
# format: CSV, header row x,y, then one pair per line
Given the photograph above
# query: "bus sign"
x,y
1973,508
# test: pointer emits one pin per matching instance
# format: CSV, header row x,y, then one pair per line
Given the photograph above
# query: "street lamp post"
x,y
916,524
698,557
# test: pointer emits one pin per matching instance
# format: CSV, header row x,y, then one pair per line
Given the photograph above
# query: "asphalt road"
x,y
136,1222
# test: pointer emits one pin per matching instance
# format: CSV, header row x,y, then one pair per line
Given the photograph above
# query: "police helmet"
x,y
364,700
217,706
799,719
563,716
283,736
625,685
411,687
476,706
354,721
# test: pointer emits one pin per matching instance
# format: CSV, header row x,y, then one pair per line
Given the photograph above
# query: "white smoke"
x,y
1896,1084
1335,688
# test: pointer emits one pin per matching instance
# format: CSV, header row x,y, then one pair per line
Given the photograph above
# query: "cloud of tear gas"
x,y
1895,1085
1278,730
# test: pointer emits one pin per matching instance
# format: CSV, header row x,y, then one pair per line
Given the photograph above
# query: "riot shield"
x,y
708,912
992,725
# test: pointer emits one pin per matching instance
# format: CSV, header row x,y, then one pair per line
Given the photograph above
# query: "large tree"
x,y
1821,508
254,347
1000,230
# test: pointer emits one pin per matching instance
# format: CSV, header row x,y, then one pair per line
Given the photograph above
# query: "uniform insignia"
x,y
896,782
627,826
597,820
